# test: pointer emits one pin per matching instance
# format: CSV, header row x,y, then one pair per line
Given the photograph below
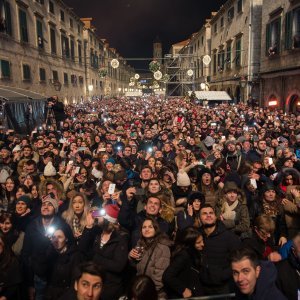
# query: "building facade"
x,y
46,48
235,49
280,54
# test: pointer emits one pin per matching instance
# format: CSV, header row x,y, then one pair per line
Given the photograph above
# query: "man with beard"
x,y
219,242
233,156
258,153
36,243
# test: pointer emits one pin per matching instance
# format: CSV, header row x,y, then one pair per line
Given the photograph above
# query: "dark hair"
x,y
142,288
207,206
186,239
6,215
154,223
245,253
7,256
89,268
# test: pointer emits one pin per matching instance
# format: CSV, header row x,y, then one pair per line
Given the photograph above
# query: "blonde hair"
x,y
69,214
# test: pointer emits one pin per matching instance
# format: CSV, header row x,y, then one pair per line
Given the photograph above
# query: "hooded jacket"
x,y
265,288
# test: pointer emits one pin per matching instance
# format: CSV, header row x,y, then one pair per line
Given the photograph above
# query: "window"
x,y
238,50
222,22
78,29
80,78
5,69
292,29
228,56
273,32
26,72
71,23
72,50
51,7
5,21
42,75
65,51
230,14
202,40
79,53
39,33
215,28
23,26
74,79
53,40
221,60
239,6
215,62
62,16
66,79
55,75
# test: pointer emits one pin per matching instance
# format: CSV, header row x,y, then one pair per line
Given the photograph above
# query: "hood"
x,y
266,279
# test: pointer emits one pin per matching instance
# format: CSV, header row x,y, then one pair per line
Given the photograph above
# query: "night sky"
x,y
130,26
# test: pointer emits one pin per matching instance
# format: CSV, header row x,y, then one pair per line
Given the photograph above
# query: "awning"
x,y
17,94
212,95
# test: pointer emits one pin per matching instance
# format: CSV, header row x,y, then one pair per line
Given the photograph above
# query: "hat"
x,y
196,195
231,186
268,187
282,139
183,179
205,171
4,174
49,170
208,141
53,202
110,160
111,213
17,148
25,198
87,157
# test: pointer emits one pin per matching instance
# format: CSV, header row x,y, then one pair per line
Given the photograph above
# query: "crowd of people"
x,y
151,198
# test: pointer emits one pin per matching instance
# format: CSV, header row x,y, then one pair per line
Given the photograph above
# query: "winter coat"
x,y
288,279
112,257
132,221
36,244
10,280
62,268
241,224
217,248
265,288
182,273
158,256
184,220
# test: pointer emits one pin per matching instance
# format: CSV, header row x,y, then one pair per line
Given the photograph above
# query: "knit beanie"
x,y
25,198
49,170
110,160
52,201
183,179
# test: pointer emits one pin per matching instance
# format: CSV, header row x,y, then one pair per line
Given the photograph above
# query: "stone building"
x,y
46,48
280,54
235,49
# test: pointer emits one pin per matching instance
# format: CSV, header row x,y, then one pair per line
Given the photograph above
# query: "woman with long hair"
x,y
151,256
76,214
8,194
10,272
181,278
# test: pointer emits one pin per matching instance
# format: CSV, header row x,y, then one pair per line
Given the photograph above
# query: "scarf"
x,y
229,212
271,209
77,227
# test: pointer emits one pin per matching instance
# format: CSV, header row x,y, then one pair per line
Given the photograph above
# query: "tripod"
x,y
50,117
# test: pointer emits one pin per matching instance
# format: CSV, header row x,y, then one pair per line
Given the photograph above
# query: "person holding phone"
x,y
107,247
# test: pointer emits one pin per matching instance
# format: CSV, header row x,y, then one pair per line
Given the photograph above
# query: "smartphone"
x,y
63,163
111,188
81,149
253,183
297,152
270,161
150,150
245,128
71,162
77,169
98,213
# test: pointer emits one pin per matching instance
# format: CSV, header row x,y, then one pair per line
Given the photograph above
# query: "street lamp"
x,y
90,88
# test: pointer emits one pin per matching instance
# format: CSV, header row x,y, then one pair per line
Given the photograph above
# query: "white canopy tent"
x,y
212,95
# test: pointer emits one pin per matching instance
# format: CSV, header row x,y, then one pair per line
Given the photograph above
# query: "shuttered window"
x,y
23,26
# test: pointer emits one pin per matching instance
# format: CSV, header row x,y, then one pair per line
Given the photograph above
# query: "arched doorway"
x,y
294,106
237,96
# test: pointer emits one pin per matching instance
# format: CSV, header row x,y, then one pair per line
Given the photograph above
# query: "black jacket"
x,y
112,257
288,279
217,248
36,245
265,288
183,272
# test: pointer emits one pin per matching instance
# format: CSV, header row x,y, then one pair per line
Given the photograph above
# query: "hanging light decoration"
x,y
114,63
190,72
137,76
157,75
